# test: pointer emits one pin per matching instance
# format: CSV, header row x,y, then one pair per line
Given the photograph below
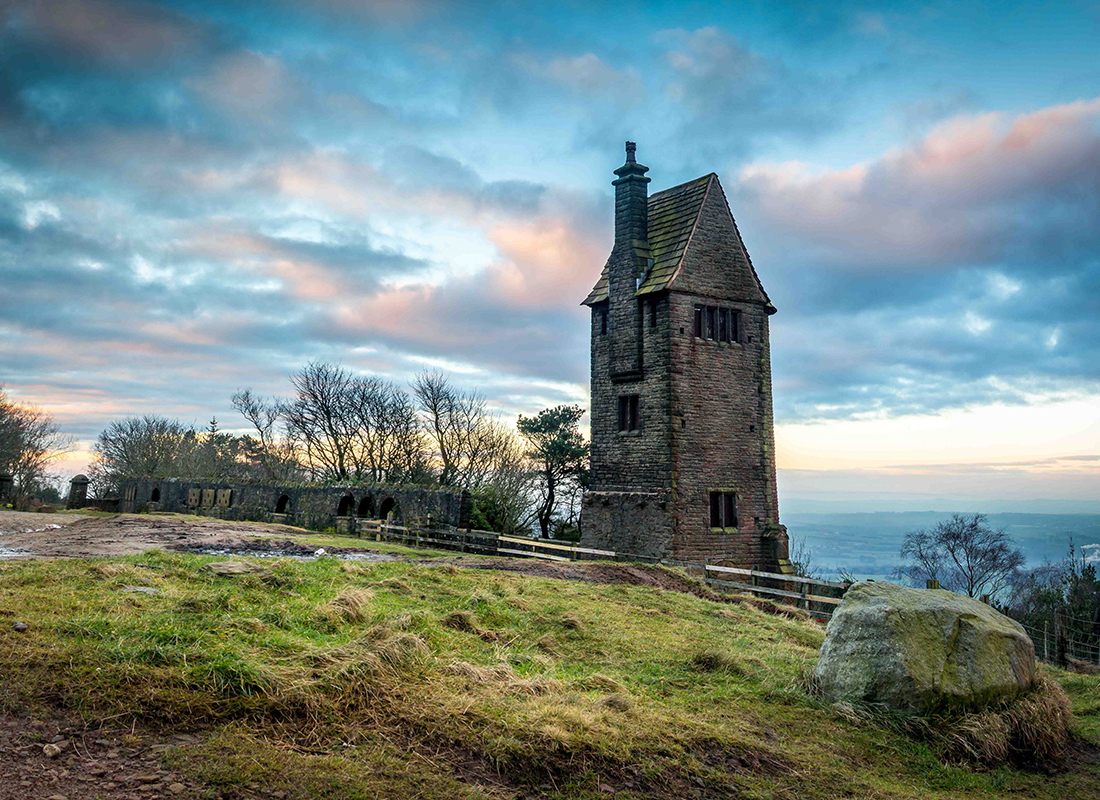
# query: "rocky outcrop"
x,y
920,650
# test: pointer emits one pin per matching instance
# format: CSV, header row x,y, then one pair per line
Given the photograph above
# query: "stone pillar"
x,y
78,492
7,487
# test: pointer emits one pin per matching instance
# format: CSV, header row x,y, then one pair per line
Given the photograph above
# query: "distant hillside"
x,y
867,545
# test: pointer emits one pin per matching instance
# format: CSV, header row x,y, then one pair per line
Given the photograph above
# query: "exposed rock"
x,y
918,650
51,750
21,627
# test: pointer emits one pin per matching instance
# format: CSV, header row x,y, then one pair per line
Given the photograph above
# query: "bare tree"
x,y
30,441
319,418
276,453
149,446
964,554
802,558
464,437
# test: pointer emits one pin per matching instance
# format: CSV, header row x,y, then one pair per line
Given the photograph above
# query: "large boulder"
x,y
920,650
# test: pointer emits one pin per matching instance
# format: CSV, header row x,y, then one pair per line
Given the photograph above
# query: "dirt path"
x,y
25,535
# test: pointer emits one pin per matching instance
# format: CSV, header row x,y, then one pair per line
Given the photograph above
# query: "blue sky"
x,y
197,197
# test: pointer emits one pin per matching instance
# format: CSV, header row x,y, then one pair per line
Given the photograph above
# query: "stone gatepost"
x,y
78,492
7,487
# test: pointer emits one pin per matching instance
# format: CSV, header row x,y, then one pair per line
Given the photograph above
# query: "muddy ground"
x,y
26,535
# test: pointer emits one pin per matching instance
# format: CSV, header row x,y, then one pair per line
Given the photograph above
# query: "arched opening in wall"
x,y
390,510
346,503
366,507
154,497
283,505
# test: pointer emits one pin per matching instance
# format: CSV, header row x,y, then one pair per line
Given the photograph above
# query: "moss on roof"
x,y
672,217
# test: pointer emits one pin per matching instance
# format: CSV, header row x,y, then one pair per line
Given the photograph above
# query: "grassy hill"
x,y
403,680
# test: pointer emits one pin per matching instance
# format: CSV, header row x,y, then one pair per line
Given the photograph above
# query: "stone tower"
x,y
683,451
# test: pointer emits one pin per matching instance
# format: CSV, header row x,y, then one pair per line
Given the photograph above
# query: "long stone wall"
x,y
315,507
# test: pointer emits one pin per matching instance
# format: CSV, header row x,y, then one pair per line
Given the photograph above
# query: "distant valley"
x,y
867,544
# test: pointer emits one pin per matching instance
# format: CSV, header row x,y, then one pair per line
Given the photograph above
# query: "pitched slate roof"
x,y
673,215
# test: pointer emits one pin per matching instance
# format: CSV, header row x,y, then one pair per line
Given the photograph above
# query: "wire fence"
x,y
1079,645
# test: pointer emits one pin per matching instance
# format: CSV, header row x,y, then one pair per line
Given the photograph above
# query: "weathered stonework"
x,y
705,405
314,507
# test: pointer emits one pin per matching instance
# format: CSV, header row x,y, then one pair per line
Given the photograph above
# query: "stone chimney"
x,y
631,199
625,267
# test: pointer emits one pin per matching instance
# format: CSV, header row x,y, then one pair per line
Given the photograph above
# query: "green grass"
x,y
402,680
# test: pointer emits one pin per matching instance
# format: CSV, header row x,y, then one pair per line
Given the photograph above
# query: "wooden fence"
x,y
818,597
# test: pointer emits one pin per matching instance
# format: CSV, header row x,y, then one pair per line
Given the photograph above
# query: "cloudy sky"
x,y
201,196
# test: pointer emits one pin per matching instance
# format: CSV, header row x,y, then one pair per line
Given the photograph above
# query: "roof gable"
x,y
674,216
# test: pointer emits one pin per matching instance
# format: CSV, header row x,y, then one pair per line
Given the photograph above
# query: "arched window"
x,y
155,496
346,503
390,510
366,507
283,505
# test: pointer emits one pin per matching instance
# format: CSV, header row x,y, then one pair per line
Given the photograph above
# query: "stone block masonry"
x,y
314,507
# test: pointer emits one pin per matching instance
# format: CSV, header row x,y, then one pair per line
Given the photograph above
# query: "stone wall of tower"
x,y
640,459
722,438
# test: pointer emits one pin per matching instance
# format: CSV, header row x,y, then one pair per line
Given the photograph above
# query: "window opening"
x,y
628,412
717,324
652,313
282,505
723,509
155,496
603,321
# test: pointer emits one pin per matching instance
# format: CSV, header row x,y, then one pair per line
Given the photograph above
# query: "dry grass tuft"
x,y
571,622
450,569
601,683
351,568
1031,731
549,645
715,660
534,687
394,585
107,571
402,650
461,620
618,702
475,674
1082,667
403,621
352,603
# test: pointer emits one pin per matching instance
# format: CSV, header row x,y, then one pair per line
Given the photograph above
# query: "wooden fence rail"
x,y
788,587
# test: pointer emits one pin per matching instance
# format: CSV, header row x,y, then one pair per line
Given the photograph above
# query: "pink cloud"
x,y
947,196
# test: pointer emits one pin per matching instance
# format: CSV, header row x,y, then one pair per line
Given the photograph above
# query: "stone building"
x,y
339,508
683,455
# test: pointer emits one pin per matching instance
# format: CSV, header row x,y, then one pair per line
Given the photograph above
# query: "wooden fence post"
x,y
931,583
1060,637
1046,642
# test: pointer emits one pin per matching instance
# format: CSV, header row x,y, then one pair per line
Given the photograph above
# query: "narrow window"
x,y
735,326
729,510
603,321
716,509
698,330
628,412
652,313
710,322
723,324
